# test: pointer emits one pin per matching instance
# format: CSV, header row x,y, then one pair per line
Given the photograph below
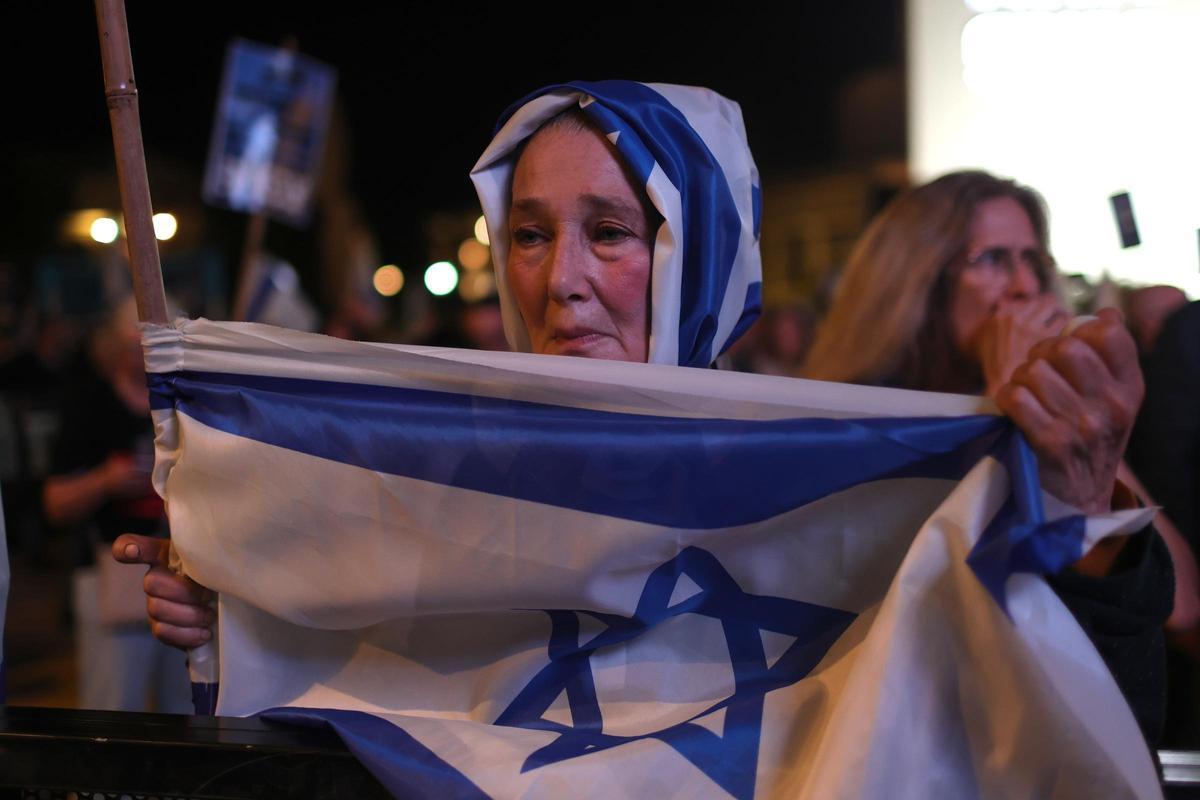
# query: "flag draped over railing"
x,y
510,575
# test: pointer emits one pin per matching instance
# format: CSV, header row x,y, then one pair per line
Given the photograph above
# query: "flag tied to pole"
x,y
512,575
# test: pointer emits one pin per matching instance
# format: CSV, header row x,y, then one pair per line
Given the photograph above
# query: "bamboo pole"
x,y
120,91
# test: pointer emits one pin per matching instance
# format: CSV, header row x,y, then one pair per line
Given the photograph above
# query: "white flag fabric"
x,y
510,575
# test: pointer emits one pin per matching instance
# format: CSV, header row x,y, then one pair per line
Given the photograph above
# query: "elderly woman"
x,y
620,229
952,288
623,230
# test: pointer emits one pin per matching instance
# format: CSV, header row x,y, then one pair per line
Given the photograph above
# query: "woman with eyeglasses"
x,y
952,289
948,290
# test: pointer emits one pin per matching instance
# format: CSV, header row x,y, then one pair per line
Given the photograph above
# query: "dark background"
x,y
420,85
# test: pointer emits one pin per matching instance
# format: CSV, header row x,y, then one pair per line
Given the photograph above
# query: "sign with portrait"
x,y
269,133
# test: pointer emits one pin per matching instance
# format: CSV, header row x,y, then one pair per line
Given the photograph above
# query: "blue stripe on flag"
x,y
679,472
402,764
204,698
1019,539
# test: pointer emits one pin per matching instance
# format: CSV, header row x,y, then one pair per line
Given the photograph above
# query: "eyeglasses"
x,y
1003,261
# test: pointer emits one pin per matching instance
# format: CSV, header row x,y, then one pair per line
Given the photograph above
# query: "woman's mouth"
x,y
576,341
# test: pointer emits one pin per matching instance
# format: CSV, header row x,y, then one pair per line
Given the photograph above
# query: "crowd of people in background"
x,y
955,310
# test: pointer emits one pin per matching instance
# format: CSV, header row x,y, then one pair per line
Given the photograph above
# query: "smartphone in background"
x,y
1122,208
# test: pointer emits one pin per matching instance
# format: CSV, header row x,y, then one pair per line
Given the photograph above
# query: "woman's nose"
x,y
567,277
1023,281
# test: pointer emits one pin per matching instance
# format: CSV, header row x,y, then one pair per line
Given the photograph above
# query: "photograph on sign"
x,y
269,133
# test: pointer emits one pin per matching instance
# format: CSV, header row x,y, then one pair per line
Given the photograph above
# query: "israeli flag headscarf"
x,y
687,146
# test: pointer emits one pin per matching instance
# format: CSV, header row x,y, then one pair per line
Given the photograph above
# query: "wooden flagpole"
x,y
120,90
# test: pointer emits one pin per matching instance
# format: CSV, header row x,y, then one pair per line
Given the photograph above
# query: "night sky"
x,y
421,86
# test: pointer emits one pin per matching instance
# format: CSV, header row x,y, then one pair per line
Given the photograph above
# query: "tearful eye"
x,y
526,236
612,233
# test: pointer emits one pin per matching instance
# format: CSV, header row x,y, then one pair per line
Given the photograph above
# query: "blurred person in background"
x,y
34,347
1165,452
473,325
947,290
99,487
1165,447
1146,309
355,318
952,288
777,343
482,325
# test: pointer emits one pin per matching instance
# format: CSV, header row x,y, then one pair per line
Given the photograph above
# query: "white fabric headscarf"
x,y
688,147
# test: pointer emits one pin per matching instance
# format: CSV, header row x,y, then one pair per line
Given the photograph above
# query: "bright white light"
x,y
481,232
388,280
440,278
164,226
1079,99
984,6
104,230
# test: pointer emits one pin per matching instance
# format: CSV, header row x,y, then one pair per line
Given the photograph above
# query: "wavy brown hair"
x,y
889,322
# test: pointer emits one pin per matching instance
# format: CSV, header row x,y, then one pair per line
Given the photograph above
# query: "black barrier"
x,y
61,754
1180,774
65,754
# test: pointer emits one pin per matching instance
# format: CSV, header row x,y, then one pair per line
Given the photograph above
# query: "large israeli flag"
x,y
512,575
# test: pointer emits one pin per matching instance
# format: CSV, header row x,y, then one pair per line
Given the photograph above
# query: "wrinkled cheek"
x,y
529,290
633,302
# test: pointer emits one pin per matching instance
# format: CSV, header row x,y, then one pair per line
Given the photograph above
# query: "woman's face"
x,y
581,240
1004,265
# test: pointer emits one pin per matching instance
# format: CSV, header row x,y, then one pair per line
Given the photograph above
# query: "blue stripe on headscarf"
x,y
756,199
750,311
652,130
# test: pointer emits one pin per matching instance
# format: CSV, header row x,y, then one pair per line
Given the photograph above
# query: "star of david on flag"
x,y
728,759
505,575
